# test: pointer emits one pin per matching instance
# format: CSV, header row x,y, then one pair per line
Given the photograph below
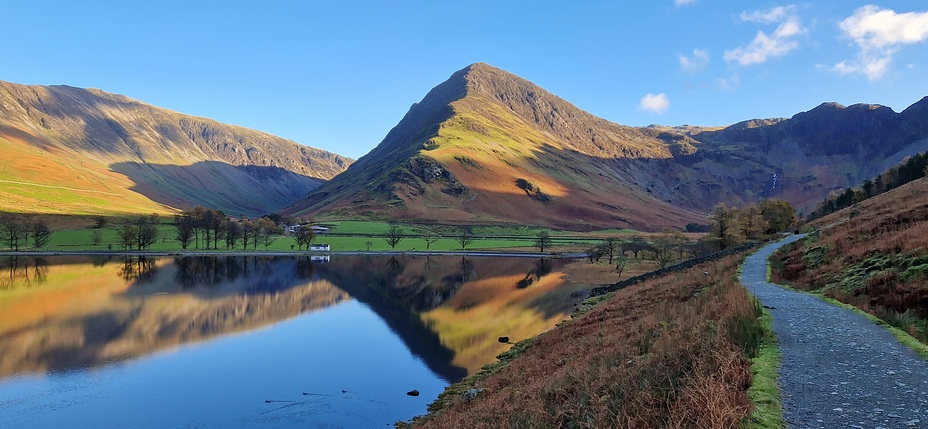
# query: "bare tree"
x,y
665,246
394,235
431,237
635,244
13,230
185,225
465,238
610,248
40,234
127,235
543,240
620,264
146,229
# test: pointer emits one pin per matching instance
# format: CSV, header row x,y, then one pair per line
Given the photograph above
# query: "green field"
x,y
349,236
361,234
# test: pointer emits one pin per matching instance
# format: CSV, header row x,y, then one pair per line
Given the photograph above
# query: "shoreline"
x,y
569,255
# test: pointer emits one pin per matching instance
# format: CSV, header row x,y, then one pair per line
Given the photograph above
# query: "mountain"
x,y
827,148
84,151
488,146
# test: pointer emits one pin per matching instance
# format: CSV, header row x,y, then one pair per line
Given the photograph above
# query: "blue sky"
x,y
339,75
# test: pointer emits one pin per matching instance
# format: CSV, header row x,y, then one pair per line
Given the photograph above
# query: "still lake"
x,y
260,341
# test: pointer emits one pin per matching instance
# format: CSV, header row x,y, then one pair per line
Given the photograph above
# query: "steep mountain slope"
x,y
827,148
489,146
72,150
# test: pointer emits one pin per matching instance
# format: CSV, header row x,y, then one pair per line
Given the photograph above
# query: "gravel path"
x,y
839,369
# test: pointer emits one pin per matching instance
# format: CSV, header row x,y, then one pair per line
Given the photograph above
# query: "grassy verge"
x,y
764,392
903,337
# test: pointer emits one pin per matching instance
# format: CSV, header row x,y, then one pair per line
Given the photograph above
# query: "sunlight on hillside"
x,y
472,321
37,179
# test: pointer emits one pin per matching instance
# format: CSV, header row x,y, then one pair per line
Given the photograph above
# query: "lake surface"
x,y
218,342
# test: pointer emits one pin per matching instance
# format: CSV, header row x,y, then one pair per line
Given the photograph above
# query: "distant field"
x,y
354,236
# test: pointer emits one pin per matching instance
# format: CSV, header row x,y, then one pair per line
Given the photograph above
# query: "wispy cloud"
x,y
765,46
879,34
683,2
728,83
658,103
695,64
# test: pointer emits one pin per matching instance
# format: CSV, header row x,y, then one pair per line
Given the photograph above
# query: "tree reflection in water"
x,y
138,269
542,268
23,270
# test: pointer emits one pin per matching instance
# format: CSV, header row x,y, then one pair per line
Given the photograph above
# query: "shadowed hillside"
x,y
72,150
487,146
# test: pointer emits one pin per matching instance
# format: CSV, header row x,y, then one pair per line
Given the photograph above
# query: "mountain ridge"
x,y
113,142
543,147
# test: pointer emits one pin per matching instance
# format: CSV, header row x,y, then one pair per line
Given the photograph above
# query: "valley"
x,y
487,163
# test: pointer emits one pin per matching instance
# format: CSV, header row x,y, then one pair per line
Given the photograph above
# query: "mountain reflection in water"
x,y
64,313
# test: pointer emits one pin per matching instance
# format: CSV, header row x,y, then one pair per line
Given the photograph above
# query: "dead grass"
x,y
670,352
583,272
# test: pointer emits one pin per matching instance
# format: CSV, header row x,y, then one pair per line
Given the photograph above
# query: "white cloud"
x,y
654,103
695,64
728,83
683,2
769,16
765,46
879,34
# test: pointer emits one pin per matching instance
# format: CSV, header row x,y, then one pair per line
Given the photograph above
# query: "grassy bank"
x,y
671,352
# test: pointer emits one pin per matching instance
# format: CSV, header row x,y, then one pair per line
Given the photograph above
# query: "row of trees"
x,y
210,227
138,233
21,231
913,168
731,226
664,248
395,234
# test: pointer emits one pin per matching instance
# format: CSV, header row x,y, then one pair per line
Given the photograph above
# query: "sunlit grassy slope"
x,y
48,179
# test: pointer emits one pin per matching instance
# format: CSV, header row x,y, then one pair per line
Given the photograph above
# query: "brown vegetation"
x,y
666,353
871,255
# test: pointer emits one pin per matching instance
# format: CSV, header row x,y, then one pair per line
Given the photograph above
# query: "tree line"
x,y
22,231
913,168
206,229
729,227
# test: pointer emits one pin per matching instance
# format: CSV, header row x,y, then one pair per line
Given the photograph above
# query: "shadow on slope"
x,y
248,190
